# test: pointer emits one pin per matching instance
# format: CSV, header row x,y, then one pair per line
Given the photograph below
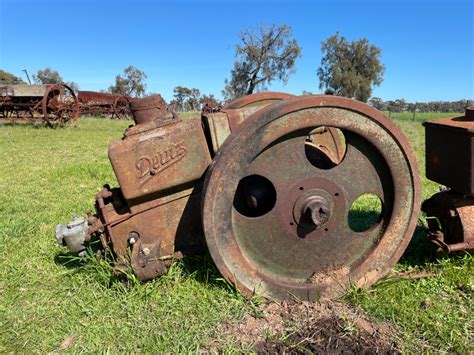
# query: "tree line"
x,y
186,99
348,68
400,105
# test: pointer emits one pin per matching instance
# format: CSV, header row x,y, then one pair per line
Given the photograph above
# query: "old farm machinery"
x,y
271,178
450,161
271,184
100,103
51,103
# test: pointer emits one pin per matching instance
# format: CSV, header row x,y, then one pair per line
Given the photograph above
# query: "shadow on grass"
x,y
25,124
69,260
420,250
98,268
200,268
361,221
95,265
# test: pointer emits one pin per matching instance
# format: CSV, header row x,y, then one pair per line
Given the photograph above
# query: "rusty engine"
x,y
266,184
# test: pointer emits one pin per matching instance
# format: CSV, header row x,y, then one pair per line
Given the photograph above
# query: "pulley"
x,y
280,208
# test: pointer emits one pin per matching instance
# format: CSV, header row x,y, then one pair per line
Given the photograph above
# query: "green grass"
x,y
189,115
421,116
46,296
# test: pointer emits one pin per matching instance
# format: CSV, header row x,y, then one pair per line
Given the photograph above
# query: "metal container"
x,y
450,152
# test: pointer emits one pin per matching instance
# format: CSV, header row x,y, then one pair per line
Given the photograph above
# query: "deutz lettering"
x,y
149,166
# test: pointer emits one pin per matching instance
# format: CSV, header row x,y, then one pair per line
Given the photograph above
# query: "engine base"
x,y
450,217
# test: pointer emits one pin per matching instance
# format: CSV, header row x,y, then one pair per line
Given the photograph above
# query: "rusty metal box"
x,y
157,158
450,153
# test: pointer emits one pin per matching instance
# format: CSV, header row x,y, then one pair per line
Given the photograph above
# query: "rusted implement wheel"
x,y
121,109
280,213
60,104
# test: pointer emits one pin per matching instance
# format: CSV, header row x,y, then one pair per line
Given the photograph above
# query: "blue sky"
x,y
427,45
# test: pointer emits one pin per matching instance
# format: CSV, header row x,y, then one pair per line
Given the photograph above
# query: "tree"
x,y
50,76
377,102
399,105
74,87
130,83
410,107
209,100
194,101
47,76
350,69
8,78
186,99
263,56
179,94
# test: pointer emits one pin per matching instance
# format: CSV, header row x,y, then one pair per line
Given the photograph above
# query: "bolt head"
x,y
133,237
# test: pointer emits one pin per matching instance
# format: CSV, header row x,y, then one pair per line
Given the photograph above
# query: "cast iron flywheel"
x,y
277,207
260,99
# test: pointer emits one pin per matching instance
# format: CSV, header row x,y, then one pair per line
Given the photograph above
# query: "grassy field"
x,y
420,116
49,301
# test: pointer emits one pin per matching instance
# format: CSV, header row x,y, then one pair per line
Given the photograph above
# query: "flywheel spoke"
x,y
283,163
362,171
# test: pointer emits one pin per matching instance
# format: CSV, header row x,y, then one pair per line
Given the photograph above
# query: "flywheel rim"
x,y
257,99
232,254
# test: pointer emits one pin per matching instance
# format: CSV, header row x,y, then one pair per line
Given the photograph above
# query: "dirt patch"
x,y
301,328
